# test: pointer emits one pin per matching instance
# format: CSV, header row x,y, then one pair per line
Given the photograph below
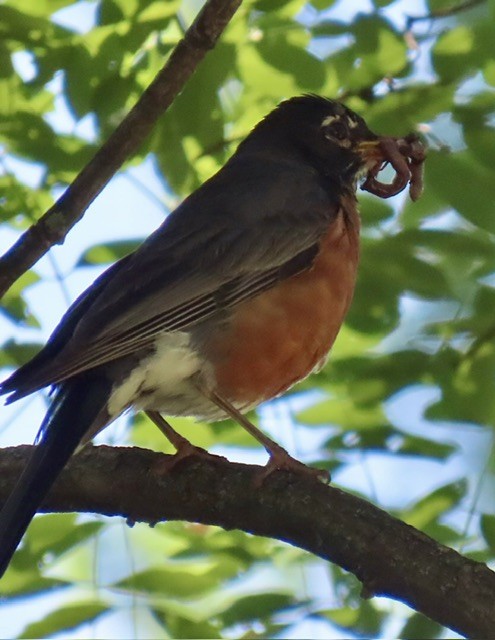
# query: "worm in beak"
x,y
406,157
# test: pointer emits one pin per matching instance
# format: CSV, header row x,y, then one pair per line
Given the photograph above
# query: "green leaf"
x,y
284,48
464,184
182,580
480,138
399,112
330,28
462,50
49,537
157,12
322,4
365,619
375,306
26,581
374,210
107,253
183,627
419,626
188,142
30,136
414,445
14,306
487,524
56,533
436,504
377,377
29,28
248,609
15,353
380,52
65,618
43,8
18,200
388,440
109,12
260,75
283,7
467,386
343,413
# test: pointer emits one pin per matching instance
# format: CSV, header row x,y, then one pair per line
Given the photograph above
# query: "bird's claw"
x,y
185,451
280,460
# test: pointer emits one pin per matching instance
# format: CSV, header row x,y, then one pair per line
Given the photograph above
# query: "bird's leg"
x,y
279,457
184,448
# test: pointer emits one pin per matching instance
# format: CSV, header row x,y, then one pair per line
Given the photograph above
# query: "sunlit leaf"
x,y
434,505
488,529
464,184
65,618
365,619
107,253
419,627
256,607
181,580
14,306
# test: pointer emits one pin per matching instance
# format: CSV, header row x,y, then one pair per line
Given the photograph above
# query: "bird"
x,y
238,295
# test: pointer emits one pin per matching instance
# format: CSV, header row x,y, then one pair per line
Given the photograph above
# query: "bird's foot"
x,y
280,460
184,448
184,451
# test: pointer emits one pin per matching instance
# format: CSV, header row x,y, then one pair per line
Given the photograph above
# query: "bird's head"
x,y
336,142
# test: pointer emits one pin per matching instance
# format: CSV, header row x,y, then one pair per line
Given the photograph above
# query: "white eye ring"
x,y
328,120
351,123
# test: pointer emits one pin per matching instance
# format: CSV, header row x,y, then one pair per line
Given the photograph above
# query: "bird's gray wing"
x,y
252,225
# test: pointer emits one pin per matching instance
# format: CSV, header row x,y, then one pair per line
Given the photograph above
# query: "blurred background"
x,y
403,413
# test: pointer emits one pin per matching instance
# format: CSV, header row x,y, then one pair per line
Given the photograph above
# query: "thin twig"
x,y
54,225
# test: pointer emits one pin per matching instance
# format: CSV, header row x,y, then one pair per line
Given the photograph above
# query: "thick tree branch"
x,y
54,225
389,557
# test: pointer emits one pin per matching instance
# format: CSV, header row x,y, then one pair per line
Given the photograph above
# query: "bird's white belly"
x,y
164,382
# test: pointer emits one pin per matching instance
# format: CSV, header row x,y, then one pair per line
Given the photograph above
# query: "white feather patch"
x,y
162,378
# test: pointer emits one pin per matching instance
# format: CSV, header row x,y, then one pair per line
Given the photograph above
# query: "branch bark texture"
x,y
54,225
389,557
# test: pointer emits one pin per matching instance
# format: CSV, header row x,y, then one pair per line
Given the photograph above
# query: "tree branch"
x,y
389,557
54,225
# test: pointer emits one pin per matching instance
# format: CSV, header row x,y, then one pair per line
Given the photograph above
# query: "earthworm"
x,y
406,156
416,154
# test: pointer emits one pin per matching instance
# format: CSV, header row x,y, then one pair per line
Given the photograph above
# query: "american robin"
x,y
239,294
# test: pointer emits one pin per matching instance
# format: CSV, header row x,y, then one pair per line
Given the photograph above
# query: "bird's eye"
x,y
338,130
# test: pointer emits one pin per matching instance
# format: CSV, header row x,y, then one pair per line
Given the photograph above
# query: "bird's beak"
x,y
371,152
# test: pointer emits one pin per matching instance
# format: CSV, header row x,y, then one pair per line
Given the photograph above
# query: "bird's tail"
x,y
74,409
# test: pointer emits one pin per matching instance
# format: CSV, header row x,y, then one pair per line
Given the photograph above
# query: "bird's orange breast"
x,y
280,336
